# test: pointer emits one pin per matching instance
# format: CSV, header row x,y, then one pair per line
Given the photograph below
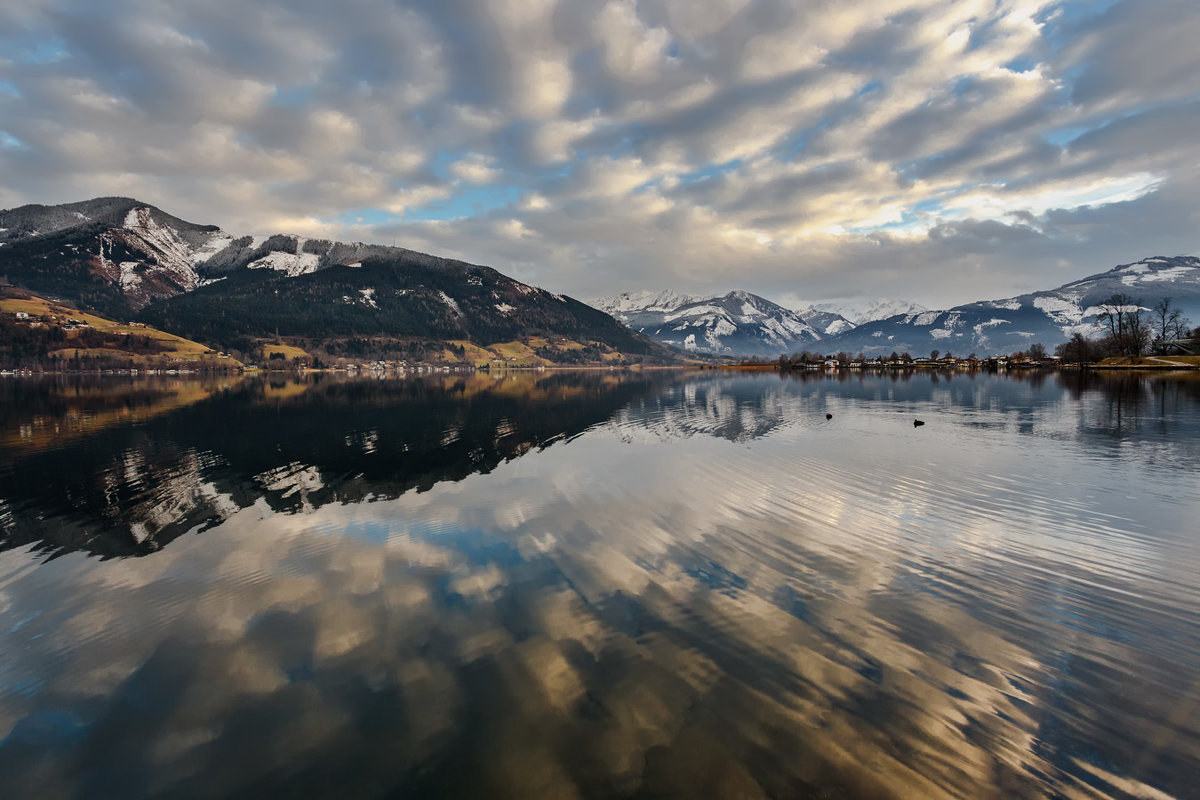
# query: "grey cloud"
x,y
1153,134
878,51
1136,52
909,135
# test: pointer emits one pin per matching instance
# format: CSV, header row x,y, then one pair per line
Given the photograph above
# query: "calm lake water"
x,y
593,585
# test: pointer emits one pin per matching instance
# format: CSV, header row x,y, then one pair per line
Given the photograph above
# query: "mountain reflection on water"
x,y
601,585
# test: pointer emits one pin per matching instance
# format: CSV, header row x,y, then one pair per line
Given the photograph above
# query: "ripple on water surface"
x,y
599,585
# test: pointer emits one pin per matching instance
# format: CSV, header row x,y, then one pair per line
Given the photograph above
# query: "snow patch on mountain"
x,y
838,326
451,302
291,264
1171,274
215,244
168,255
129,278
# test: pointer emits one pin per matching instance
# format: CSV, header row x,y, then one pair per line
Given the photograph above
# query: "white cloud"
x,y
475,168
800,147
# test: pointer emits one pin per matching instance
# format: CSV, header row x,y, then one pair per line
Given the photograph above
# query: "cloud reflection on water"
x,y
852,607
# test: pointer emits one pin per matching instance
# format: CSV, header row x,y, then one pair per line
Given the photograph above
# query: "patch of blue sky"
x,y
1069,133
441,161
1061,22
712,171
980,34
963,84
908,220
705,174
919,215
473,201
292,96
1025,63
918,166
869,87
42,51
928,206
8,88
1064,136
797,143
8,140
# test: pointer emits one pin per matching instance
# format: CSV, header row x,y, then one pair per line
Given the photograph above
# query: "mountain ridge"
x,y
734,324
132,260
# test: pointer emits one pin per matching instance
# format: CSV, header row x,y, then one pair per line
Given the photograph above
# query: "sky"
x,y
938,151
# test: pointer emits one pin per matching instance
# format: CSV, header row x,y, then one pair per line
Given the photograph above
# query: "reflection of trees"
x,y
1121,402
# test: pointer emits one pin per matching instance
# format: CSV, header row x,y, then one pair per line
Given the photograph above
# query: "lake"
x,y
601,584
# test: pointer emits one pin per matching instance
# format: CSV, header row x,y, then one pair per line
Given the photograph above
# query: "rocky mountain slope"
x,y
1048,317
131,260
735,324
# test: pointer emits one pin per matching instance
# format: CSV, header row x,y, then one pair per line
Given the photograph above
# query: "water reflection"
x,y
712,590
142,478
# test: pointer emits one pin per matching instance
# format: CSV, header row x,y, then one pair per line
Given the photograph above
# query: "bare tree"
x,y
1168,323
1128,328
1037,352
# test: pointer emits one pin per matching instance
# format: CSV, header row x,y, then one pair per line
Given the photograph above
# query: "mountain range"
x,y
131,260
738,323
743,324
350,301
1048,317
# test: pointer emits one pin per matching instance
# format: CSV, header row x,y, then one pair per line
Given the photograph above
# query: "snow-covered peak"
x,y
646,300
736,323
861,311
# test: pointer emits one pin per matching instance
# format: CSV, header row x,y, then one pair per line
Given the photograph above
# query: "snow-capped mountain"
x,y
826,323
1049,317
144,254
636,302
860,313
738,323
127,259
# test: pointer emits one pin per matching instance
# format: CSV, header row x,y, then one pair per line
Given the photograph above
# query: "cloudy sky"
x,y
939,151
